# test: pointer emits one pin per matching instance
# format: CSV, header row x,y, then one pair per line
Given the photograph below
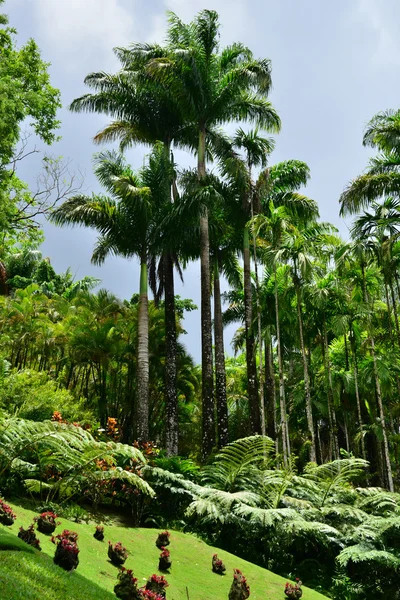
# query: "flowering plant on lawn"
x,y
66,555
293,590
165,561
217,565
29,536
157,584
126,587
99,533
239,588
7,515
46,522
117,553
163,539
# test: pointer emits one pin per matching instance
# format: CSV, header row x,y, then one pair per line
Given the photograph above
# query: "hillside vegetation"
x,y
29,574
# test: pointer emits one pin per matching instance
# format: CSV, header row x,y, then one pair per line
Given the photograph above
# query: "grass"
x,y
27,574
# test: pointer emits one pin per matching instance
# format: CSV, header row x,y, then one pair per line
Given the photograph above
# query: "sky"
x,y
334,66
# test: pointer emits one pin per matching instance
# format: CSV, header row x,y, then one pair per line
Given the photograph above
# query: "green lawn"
x,y
27,574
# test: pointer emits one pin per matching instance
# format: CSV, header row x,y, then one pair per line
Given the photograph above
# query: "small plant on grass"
x,y
117,553
126,587
239,589
217,565
99,533
29,536
157,584
66,555
46,522
165,561
293,590
7,515
163,539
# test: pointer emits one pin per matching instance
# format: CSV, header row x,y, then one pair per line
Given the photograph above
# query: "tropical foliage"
x,y
286,453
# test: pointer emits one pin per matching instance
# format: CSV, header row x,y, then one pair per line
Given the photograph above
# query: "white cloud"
x,y
79,30
382,19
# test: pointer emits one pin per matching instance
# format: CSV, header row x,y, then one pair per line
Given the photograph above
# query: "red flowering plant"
x,y
46,522
293,590
7,515
99,533
163,539
117,553
239,589
29,536
165,561
217,565
126,586
66,554
157,584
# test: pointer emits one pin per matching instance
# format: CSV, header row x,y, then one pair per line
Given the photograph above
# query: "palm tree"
x,y
256,149
277,190
299,248
125,220
382,176
145,113
211,87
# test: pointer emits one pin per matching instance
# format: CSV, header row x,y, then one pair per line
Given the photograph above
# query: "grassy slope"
x,y
31,575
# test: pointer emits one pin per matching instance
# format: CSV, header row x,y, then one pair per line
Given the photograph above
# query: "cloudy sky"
x,y
335,65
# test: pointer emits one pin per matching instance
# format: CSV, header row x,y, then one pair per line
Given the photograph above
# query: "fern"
x,y
363,553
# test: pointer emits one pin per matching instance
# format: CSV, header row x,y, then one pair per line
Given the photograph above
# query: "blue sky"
x,y
335,64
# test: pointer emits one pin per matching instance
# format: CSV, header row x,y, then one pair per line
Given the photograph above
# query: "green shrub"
x,y
36,397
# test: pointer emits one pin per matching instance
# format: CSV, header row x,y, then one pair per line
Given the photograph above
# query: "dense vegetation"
x,y
286,454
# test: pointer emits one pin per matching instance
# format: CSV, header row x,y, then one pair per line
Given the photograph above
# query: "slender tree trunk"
x,y
259,331
270,397
334,432
310,421
396,316
172,429
389,310
142,408
360,421
282,399
382,418
252,387
206,324
378,389
220,375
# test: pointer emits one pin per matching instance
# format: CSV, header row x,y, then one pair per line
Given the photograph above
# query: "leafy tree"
x,y
125,221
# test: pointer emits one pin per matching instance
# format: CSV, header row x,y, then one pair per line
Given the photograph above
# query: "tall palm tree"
x,y
144,113
256,150
282,205
211,87
299,248
125,220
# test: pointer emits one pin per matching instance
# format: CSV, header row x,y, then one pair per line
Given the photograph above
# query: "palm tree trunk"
x,y
172,429
310,422
360,421
382,418
378,388
252,387
270,398
206,324
396,316
335,445
260,346
142,408
220,375
282,399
